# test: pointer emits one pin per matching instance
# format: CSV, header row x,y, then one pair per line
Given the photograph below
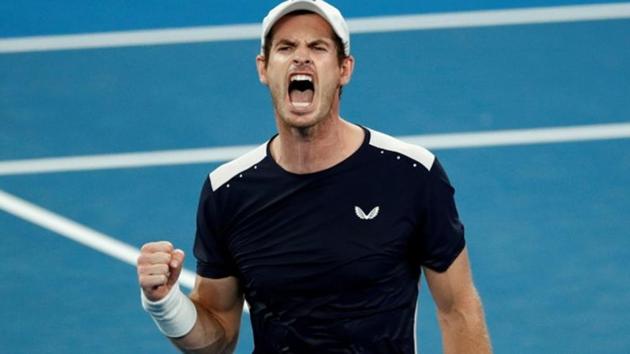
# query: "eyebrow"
x,y
319,41
284,42
292,43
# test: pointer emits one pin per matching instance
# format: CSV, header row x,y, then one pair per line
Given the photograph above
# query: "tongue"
x,y
302,97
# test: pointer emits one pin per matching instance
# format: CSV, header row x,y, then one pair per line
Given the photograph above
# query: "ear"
x,y
347,67
261,66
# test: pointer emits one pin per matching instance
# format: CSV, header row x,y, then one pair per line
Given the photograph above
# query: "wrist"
x,y
175,315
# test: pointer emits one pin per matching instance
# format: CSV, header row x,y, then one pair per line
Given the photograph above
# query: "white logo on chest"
x,y
361,214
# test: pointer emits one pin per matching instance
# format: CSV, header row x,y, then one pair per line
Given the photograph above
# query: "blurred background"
x,y
526,103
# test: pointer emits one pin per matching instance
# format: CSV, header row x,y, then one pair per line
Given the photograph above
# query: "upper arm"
x,y
454,287
222,299
440,236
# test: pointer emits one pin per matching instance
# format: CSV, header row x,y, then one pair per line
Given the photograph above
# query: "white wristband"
x,y
175,315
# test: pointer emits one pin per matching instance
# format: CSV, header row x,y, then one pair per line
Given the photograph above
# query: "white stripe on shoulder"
x,y
415,152
225,172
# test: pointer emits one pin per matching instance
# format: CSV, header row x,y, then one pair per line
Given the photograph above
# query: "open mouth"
x,y
301,90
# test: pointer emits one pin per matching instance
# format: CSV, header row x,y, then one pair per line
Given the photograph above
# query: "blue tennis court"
x,y
547,220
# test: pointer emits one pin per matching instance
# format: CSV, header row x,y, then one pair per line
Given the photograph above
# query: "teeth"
x,y
300,77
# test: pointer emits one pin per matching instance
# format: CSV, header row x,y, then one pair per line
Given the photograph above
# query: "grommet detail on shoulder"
x,y
226,172
384,142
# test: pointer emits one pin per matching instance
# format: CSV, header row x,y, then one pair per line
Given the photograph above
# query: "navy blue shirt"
x,y
329,262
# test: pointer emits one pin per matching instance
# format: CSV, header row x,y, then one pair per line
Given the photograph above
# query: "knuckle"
x,y
151,247
162,258
142,269
164,246
142,279
146,247
141,259
149,281
154,258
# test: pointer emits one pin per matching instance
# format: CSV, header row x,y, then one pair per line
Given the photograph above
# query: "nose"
x,y
301,56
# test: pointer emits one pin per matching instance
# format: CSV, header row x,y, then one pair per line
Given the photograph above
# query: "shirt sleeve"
x,y
213,257
441,237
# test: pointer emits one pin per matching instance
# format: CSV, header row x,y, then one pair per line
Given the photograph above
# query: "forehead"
x,y
302,25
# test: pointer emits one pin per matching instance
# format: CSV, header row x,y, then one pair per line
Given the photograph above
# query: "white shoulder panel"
x,y
415,152
225,172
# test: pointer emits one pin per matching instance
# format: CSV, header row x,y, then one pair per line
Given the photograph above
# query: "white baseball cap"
x,y
320,7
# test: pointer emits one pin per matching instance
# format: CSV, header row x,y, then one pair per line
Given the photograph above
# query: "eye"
x,y
284,47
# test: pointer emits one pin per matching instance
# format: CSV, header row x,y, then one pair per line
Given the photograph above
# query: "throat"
x,y
301,98
316,148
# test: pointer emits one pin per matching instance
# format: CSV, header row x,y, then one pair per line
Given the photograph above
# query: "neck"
x,y
316,148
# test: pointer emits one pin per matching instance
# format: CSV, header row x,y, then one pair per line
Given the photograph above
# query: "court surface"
x,y
531,120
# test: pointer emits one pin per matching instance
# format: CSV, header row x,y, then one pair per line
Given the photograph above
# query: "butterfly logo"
x,y
361,214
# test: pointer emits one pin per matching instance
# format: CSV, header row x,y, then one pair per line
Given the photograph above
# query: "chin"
x,y
299,119
300,122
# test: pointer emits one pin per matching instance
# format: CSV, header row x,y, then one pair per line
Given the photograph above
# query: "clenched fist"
x,y
159,266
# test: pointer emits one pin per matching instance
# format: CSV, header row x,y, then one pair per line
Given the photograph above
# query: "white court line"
x,y
213,155
124,160
522,136
79,233
554,14
523,16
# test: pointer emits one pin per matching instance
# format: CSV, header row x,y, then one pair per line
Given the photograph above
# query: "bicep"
x,y
222,299
453,287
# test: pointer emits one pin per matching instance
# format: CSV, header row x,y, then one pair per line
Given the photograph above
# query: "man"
x,y
324,229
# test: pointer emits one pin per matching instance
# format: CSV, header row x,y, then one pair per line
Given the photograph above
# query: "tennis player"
x,y
324,229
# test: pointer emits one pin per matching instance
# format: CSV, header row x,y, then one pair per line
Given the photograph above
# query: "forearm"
x,y
191,326
464,330
208,336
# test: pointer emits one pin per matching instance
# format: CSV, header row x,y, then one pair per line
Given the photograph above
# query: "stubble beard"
x,y
303,127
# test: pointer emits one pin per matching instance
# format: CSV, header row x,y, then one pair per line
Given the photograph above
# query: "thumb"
x,y
176,264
